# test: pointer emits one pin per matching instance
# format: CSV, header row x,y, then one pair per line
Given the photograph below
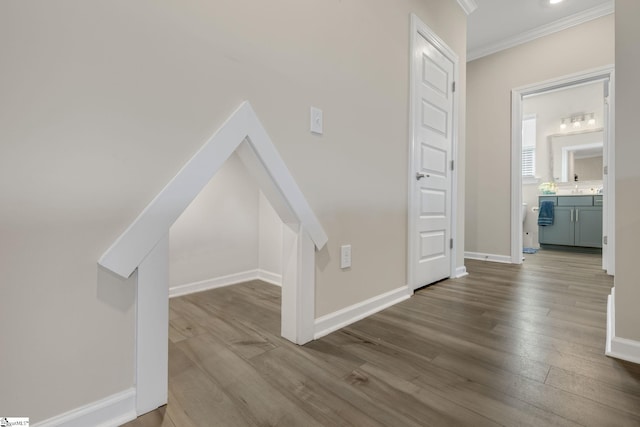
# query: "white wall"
x,y
589,168
627,296
103,102
229,230
490,81
217,235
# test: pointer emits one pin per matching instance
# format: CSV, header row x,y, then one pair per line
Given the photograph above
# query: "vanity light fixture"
x,y
578,120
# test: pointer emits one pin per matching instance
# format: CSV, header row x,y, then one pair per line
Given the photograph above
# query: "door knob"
x,y
419,175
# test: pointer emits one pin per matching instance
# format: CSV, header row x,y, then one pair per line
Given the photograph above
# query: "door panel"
x,y
434,204
435,76
589,227
434,160
434,118
432,130
432,245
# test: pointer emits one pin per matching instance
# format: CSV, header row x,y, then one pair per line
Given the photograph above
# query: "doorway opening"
x,y
225,286
562,146
144,246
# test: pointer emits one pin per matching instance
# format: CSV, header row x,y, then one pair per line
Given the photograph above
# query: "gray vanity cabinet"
x,y
577,222
588,224
562,232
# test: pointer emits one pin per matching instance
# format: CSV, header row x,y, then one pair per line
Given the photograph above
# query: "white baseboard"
x,y
620,348
216,282
460,272
611,316
111,411
339,319
488,257
220,282
269,277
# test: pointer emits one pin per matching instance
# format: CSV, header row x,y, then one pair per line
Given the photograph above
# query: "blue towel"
x,y
545,216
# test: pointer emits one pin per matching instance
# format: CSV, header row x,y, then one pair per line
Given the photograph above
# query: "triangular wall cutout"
x,y
243,132
145,246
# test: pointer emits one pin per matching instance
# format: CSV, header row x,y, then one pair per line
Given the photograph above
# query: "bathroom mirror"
x,y
576,155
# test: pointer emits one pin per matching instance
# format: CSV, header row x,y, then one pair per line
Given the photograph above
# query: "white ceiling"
x,y
499,24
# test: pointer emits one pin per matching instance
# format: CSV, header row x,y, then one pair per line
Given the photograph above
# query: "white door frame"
x,y
608,205
419,28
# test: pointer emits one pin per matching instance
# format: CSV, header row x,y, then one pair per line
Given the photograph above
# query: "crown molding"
x,y
468,5
545,30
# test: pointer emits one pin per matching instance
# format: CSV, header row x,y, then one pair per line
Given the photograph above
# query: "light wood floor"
x,y
507,345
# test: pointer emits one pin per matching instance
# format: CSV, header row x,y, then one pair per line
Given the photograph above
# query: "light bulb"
x,y
554,1
592,120
563,125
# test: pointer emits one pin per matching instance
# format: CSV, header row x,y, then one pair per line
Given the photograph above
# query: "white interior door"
x,y
432,163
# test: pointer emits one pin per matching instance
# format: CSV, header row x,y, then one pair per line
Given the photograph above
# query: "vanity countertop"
x,y
570,194
572,199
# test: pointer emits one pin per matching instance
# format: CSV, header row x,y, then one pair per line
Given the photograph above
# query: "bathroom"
x,y
562,148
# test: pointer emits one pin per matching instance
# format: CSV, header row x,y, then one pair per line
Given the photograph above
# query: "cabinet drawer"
x,y
553,199
575,201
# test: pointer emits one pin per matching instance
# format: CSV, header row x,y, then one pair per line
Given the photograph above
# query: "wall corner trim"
x,y
331,322
270,277
461,272
244,132
468,6
620,348
113,410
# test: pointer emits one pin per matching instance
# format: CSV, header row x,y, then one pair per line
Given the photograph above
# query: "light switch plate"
x,y
345,256
316,120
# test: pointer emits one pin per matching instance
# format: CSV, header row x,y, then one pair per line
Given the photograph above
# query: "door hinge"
x,y
450,243
451,164
453,86
605,240
605,170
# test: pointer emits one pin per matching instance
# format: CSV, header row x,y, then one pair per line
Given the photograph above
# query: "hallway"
x,y
506,345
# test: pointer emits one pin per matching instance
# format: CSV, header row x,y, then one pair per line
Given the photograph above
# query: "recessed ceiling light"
x,y
554,1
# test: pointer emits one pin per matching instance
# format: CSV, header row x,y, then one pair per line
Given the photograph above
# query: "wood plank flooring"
x,y
507,345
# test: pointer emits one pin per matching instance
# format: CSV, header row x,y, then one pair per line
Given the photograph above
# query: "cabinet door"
x,y
562,231
589,227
